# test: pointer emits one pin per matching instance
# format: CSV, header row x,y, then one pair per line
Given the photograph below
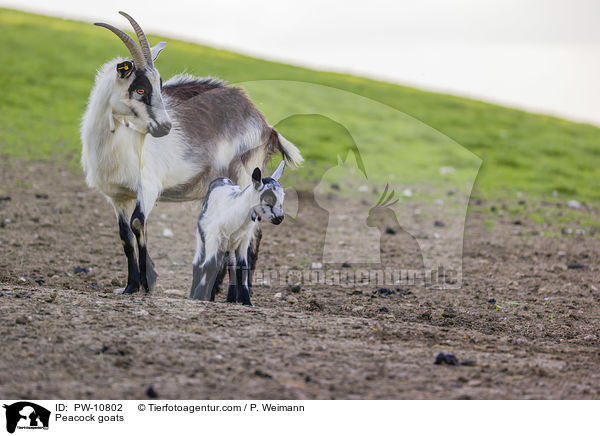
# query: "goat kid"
x,y
225,228
143,141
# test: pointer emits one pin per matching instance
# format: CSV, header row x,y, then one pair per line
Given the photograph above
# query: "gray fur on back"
x,y
211,115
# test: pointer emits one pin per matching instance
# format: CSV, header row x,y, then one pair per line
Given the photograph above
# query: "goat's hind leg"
x,y
205,275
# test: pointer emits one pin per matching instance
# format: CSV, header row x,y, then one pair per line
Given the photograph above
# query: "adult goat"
x,y
144,142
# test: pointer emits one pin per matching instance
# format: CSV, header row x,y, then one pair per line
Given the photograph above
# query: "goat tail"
x,y
289,151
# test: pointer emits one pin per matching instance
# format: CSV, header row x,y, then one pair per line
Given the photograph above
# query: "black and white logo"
x,y
26,415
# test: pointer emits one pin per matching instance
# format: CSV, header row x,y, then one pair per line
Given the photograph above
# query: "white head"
x,y
137,95
271,195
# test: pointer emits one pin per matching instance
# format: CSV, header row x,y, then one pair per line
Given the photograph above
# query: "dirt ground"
x,y
525,321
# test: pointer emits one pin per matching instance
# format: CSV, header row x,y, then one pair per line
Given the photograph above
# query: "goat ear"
x,y
125,69
157,49
257,178
279,171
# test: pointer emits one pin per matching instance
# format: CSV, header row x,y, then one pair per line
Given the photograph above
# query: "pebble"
x,y
407,192
294,288
574,204
390,231
449,312
168,233
314,305
438,223
448,359
151,392
317,265
22,320
81,269
384,291
278,295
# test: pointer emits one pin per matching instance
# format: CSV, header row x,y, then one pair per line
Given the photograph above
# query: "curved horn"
x,y
134,49
144,45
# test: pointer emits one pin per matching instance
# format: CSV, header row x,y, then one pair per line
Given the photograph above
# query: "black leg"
x,y
204,277
252,255
232,292
133,273
243,274
219,280
238,281
147,272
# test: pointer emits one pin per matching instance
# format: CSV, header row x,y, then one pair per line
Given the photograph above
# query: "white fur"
x,y
126,162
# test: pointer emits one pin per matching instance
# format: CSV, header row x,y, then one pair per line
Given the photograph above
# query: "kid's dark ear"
x,y
125,69
257,178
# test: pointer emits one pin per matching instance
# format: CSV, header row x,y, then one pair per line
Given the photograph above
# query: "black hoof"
x,y
151,274
131,289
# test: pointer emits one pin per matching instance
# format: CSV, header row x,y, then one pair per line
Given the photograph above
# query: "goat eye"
x,y
140,91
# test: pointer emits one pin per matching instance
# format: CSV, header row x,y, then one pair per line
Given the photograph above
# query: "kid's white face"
x,y
271,202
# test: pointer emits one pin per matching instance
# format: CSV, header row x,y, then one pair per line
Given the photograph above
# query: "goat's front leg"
x,y
239,291
138,224
128,240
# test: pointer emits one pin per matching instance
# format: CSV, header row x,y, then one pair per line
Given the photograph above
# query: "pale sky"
x,y
541,55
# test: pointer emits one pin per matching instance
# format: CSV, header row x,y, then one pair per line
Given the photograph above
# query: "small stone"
x,y
390,231
384,291
448,359
22,320
151,392
407,192
574,204
278,295
294,288
346,264
262,374
438,223
449,312
317,265
81,269
167,233
426,315
314,305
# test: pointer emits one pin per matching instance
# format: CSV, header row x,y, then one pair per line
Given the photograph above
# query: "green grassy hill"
x,y
48,66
